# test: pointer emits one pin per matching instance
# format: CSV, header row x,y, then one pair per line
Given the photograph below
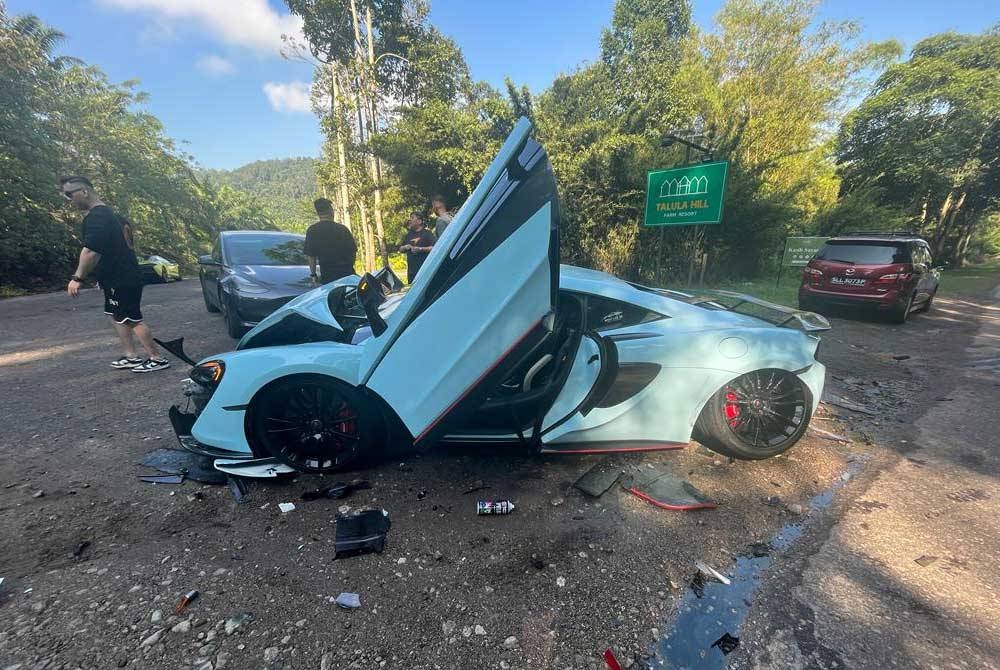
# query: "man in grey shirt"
x,y
440,209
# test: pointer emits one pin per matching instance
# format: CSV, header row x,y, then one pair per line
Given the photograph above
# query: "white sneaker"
x,y
152,365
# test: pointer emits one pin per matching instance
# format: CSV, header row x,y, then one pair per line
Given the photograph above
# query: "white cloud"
x,y
249,23
291,96
215,65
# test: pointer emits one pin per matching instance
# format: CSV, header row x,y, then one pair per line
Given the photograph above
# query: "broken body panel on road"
x,y
496,342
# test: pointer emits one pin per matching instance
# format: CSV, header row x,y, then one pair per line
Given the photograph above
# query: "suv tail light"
x,y
812,275
897,278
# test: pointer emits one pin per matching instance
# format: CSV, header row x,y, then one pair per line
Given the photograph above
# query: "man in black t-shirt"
x,y
330,243
108,254
416,243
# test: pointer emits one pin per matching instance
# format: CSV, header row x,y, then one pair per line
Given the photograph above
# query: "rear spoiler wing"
x,y
741,303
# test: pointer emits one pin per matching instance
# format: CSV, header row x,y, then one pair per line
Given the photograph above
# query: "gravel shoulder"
x,y
451,588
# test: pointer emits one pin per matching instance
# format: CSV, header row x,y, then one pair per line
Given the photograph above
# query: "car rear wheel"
x,y
755,416
163,276
902,312
314,424
209,307
926,307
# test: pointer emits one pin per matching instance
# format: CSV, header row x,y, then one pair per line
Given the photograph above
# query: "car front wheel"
x,y
234,326
209,306
315,424
757,415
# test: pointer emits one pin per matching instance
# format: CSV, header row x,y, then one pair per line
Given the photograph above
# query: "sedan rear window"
x,y
266,250
860,253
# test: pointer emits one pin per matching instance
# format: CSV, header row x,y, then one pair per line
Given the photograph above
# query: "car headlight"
x,y
246,286
208,373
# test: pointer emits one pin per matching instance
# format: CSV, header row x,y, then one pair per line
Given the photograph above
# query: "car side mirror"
x,y
206,259
371,297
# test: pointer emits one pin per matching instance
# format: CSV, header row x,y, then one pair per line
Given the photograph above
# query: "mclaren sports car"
x,y
496,342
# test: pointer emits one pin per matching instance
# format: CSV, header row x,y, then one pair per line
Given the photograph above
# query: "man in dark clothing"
x,y
330,243
108,253
416,243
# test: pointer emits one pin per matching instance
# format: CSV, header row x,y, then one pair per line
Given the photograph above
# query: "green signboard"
x,y
799,250
686,196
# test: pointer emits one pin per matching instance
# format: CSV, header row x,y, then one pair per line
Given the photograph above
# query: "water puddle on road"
x,y
711,614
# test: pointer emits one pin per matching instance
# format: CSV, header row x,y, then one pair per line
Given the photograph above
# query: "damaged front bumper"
x,y
183,425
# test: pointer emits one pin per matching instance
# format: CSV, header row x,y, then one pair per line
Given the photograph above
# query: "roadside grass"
x,y
785,292
11,291
971,280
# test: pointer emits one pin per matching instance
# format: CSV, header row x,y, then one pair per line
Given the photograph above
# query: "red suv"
x,y
892,272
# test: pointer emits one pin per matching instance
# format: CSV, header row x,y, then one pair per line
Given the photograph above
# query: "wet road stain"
x,y
711,613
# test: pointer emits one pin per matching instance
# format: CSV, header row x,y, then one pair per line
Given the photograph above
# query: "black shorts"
x,y
122,303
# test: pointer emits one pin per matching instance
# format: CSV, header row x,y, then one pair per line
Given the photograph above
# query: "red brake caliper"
x,y
732,408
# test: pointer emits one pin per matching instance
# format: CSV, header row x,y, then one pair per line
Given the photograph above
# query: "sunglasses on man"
x,y
69,194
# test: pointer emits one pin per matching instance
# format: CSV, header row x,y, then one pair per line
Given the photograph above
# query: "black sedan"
x,y
249,274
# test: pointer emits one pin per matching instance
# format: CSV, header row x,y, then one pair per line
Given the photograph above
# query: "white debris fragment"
x,y
712,572
286,507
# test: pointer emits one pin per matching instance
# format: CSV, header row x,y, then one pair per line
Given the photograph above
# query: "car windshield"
x,y
266,250
860,253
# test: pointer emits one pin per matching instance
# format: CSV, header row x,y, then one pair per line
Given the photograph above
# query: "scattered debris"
x,y
709,571
760,549
181,462
727,643
901,357
186,600
421,494
773,501
494,507
337,491
510,642
828,435
361,532
598,479
240,488
286,507
80,548
924,561
943,399
795,509
560,581
610,660
348,601
668,492
697,585
152,639
163,479
832,399
38,494
555,502
237,621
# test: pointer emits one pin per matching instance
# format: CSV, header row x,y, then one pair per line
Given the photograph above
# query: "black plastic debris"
x,y
361,533
760,549
80,548
598,479
191,465
727,643
239,487
697,584
338,490
163,479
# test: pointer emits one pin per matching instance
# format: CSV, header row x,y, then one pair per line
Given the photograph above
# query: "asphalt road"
x,y
94,565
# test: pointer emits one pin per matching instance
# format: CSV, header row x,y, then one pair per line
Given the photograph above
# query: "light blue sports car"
x,y
496,342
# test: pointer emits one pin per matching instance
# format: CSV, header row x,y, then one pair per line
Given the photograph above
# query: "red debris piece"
x,y
609,658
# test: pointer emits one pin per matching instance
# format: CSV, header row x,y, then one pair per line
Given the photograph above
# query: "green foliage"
x,y
283,188
927,137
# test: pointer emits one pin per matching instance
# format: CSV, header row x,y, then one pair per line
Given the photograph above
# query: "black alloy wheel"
x,y
757,415
313,423
209,306
234,326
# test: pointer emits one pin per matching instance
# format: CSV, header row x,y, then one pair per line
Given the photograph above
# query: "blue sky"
x,y
217,83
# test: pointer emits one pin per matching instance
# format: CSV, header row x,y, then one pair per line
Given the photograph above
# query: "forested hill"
x,y
285,186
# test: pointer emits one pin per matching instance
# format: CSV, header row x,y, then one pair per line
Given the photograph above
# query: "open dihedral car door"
x,y
481,299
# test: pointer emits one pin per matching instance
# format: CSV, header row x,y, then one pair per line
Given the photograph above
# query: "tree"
x,y
928,137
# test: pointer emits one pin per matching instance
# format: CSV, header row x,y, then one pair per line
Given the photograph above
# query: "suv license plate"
x,y
849,281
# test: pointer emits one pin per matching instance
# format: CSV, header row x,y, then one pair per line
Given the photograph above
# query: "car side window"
x,y
606,313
